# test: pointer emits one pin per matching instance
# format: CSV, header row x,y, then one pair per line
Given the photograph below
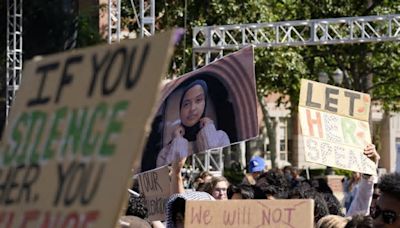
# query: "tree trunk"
x,y
270,124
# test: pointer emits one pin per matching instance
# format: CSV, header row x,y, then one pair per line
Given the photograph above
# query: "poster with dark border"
x,y
208,108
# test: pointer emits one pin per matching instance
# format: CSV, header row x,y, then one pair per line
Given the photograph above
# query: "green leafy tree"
x,y
367,67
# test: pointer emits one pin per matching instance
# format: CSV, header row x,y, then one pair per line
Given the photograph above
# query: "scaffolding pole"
x,y
14,50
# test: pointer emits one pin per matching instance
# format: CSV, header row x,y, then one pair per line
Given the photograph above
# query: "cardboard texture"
x,y
335,128
155,186
76,130
335,100
250,213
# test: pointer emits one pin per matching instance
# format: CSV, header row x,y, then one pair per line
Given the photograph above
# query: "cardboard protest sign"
x,y
75,131
155,187
249,213
335,128
208,108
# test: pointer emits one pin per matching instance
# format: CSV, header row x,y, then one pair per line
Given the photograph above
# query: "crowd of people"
x,y
366,204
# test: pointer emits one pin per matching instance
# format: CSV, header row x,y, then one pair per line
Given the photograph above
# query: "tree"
x,y
368,67
48,26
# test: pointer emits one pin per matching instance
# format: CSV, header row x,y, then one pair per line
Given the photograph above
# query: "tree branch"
x,y
371,7
388,81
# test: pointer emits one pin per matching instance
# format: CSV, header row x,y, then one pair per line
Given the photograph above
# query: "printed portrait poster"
x,y
76,130
211,107
335,127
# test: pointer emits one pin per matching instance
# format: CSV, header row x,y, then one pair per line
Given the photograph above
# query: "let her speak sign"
x,y
75,132
335,128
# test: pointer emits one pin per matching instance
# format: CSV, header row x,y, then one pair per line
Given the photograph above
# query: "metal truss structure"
x,y
210,160
14,50
114,21
147,17
210,42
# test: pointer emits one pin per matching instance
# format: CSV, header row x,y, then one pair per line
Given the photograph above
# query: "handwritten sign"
x,y
335,128
155,187
77,127
250,213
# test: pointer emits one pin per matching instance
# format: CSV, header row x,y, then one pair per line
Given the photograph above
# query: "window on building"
x,y
282,138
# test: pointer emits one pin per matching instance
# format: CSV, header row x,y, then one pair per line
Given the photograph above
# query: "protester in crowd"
x,y
206,176
136,207
387,211
360,221
287,171
295,177
133,222
137,214
332,221
332,202
335,221
175,210
248,179
241,191
272,185
218,188
256,166
350,187
362,200
375,195
201,179
196,132
306,191
176,184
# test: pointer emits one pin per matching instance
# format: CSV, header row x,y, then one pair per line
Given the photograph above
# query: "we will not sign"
x,y
335,128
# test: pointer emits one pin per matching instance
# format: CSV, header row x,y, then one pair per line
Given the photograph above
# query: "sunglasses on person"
x,y
388,216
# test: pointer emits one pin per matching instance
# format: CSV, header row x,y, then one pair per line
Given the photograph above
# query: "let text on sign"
x,y
335,128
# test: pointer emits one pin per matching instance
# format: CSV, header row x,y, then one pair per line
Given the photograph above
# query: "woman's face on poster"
x,y
193,105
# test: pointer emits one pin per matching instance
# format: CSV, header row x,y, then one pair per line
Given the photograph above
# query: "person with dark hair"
x,y
175,210
196,132
305,191
332,202
272,185
206,176
136,207
241,191
387,209
375,195
360,221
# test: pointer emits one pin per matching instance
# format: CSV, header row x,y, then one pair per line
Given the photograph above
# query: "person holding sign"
x,y
196,132
363,197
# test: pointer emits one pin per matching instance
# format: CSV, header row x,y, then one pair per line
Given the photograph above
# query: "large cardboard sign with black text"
x,y
250,213
76,130
335,128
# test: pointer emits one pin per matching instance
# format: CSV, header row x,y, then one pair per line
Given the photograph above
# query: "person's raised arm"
x,y
176,177
363,197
